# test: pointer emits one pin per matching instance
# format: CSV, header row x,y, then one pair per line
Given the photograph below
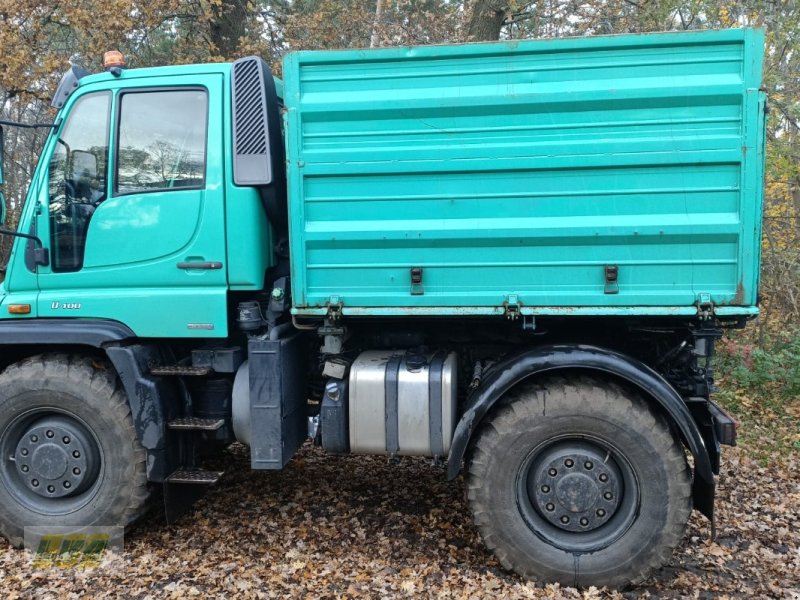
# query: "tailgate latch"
x,y
511,306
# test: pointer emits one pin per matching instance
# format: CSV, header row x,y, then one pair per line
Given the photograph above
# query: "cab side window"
x,y
77,178
162,141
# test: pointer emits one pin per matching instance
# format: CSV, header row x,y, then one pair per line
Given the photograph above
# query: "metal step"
x,y
179,371
196,424
196,476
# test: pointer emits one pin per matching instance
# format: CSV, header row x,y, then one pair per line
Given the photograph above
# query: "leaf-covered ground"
x,y
333,527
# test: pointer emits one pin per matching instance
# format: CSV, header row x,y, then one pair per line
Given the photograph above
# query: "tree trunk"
x,y
375,39
487,20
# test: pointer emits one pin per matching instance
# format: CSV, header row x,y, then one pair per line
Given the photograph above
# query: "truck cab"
x,y
141,224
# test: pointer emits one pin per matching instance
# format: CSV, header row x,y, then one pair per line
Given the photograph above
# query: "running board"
x,y
183,488
179,371
195,424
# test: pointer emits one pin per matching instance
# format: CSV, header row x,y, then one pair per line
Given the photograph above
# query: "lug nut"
x,y
51,489
552,472
76,454
565,519
49,433
588,465
603,477
67,484
25,468
568,463
608,495
34,438
35,482
601,512
550,506
546,489
76,471
66,439
24,452
584,521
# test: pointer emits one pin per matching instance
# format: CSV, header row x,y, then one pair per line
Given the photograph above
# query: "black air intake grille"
x,y
250,133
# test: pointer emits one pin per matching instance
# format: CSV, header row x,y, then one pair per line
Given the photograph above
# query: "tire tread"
x,y
98,377
531,400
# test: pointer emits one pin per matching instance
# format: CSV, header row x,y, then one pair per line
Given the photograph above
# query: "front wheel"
x,y
579,481
69,455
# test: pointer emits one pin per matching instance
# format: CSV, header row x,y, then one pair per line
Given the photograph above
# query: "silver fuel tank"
x,y
402,403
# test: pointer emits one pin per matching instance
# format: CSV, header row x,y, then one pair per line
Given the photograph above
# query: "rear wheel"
x,y
69,455
580,482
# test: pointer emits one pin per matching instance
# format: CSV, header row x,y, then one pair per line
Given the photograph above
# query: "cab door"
x,y
135,209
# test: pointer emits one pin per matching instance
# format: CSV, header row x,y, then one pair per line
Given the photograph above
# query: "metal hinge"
x,y
705,307
511,306
334,308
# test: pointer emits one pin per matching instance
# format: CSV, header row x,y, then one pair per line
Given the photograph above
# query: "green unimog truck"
x,y
513,258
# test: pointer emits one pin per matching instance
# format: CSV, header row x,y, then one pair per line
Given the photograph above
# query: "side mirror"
x,y
83,165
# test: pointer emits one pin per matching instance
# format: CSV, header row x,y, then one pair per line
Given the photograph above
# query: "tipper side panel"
x,y
527,173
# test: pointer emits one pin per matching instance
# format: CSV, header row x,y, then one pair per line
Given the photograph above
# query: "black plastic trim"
x,y
87,332
150,410
724,424
273,192
508,373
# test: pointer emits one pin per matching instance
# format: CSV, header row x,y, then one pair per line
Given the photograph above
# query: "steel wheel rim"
x,y
52,463
577,492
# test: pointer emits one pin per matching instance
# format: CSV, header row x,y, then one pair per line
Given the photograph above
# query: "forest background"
x,y
760,366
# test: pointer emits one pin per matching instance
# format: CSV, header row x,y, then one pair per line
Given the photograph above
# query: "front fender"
x,y
505,375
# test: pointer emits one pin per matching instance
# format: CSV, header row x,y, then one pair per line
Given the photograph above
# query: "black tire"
x,y
91,470
593,453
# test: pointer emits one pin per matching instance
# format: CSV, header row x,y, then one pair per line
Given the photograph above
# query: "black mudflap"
x,y
278,399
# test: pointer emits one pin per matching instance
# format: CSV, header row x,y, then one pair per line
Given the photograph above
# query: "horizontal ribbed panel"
x,y
524,168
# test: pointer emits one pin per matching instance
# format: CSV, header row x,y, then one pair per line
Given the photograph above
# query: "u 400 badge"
x,y
65,305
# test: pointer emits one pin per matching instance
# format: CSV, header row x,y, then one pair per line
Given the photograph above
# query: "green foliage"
x,y
760,385
773,367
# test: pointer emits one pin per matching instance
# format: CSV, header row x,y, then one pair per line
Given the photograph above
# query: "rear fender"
x,y
546,359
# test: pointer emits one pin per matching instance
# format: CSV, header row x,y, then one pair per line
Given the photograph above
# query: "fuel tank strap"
x,y
391,380
435,404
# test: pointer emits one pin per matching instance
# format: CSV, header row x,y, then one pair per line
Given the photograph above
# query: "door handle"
x,y
207,265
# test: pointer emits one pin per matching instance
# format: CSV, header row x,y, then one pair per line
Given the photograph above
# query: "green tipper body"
x,y
525,174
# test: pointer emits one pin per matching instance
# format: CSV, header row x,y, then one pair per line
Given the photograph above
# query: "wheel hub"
x,y
55,458
574,486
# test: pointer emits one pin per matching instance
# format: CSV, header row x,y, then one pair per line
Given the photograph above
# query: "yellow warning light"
x,y
113,58
19,309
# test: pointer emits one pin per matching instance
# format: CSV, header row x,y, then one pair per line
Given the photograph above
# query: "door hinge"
x,y
705,307
511,306
334,308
